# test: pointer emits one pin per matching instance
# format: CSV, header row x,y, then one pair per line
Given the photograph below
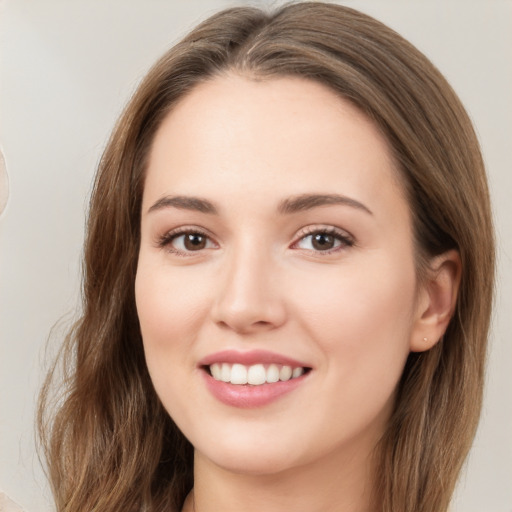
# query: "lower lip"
x,y
247,396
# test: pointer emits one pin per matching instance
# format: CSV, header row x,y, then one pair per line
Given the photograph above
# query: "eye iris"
x,y
194,241
323,241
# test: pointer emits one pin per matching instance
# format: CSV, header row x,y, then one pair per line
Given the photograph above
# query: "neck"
x,y
331,484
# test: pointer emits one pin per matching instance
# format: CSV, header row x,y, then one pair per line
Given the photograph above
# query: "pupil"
x,y
195,241
323,242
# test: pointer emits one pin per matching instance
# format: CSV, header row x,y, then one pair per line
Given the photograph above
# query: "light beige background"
x,y
66,69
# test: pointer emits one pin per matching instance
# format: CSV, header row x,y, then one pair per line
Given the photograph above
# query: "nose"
x,y
249,298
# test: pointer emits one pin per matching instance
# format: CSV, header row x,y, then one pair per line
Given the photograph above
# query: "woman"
x,y
287,282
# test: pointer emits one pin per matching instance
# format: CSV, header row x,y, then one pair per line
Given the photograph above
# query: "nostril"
x,y
262,323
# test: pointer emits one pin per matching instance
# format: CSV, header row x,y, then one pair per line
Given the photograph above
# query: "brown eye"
x,y
322,241
194,241
187,242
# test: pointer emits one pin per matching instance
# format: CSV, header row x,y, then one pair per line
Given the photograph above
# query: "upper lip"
x,y
249,358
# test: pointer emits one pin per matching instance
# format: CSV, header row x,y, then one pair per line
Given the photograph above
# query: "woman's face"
x,y
276,240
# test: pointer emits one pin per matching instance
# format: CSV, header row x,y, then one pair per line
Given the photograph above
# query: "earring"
x,y
425,339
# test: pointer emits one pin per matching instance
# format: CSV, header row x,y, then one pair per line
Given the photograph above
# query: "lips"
x,y
250,357
251,379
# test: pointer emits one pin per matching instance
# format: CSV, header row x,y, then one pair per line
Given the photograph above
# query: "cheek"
x,y
357,298
166,301
361,317
171,310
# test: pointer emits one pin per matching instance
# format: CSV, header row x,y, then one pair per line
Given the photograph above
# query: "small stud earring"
x,y
425,339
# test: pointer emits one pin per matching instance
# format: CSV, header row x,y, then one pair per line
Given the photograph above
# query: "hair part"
x,y
111,445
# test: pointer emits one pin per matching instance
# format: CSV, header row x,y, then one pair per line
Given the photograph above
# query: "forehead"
x,y
233,135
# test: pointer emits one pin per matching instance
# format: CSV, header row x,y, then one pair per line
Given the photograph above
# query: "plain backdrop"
x,y
66,69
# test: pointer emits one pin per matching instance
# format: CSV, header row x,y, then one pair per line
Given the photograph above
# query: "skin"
x,y
352,314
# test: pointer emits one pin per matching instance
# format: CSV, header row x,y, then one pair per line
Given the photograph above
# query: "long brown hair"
x,y
110,445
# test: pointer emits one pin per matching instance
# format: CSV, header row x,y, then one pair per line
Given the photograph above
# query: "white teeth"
x,y
285,373
272,373
216,370
297,372
238,374
255,374
225,375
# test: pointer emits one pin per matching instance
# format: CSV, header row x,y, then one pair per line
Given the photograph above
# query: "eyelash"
x,y
166,240
341,236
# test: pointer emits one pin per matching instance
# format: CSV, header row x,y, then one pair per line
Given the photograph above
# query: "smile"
x,y
254,375
255,378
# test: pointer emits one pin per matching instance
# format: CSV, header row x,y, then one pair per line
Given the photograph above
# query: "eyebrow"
x,y
309,201
185,203
287,206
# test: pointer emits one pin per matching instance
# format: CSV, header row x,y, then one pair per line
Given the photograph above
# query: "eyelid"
x,y
164,241
346,238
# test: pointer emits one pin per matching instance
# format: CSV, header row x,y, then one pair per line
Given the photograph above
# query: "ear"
x,y
436,302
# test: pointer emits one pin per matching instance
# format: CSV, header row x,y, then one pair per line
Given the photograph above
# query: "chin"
x,y
249,455
251,463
